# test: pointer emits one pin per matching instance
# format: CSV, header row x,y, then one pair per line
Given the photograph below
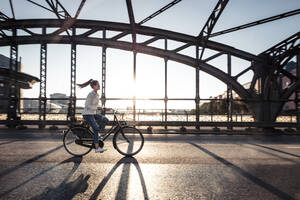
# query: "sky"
x,y
188,17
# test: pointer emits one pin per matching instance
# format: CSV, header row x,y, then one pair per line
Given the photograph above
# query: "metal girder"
x,y
148,18
197,97
242,72
37,4
103,74
158,33
208,27
210,24
131,20
13,90
12,9
143,30
229,92
150,40
255,23
213,57
166,85
159,11
43,80
3,16
55,6
72,102
284,49
79,8
58,8
90,32
142,49
213,18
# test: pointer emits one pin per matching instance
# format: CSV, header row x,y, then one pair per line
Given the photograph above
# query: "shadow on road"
x,y
251,146
8,142
31,160
277,150
124,180
252,178
64,189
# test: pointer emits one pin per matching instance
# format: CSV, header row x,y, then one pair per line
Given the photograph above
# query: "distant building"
x,y
234,94
58,98
32,106
285,82
61,100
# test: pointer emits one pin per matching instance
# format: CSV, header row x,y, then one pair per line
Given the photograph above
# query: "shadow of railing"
x,y
270,153
247,175
76,160
31,160
277,150
8,142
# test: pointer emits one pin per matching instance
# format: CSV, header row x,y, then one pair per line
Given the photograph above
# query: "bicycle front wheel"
x,y
128,141
78,141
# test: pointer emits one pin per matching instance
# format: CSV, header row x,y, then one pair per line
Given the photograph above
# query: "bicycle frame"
x,y
114,128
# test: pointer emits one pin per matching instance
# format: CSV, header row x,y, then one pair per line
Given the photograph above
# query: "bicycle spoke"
x,y
76,145
129,141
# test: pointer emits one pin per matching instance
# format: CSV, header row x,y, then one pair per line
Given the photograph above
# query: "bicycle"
x,y
127,140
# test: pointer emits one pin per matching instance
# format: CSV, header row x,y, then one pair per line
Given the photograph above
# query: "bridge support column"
x,y
297,97
13,101
229,93
267,104
43,80
166,87
72,102
103,89
197,98
134,83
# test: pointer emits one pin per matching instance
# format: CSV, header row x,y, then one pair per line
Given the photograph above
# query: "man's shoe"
x,y
100,150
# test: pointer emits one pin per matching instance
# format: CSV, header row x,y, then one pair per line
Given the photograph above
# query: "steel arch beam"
x,y
139,48
143,30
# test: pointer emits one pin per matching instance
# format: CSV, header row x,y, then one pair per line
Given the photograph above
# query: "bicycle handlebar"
x,y
108,109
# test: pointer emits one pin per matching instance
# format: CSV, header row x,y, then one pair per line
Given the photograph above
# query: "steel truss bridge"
x,y
267,67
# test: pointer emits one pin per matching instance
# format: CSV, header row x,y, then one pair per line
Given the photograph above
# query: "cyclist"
x,y
96,121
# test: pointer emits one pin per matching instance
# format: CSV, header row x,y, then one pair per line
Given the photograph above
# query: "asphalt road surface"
x,y
35,165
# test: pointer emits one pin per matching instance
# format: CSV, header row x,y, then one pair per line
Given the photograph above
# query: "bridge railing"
x,y
213,113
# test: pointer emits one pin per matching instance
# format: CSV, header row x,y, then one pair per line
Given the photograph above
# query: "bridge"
x,y
265,97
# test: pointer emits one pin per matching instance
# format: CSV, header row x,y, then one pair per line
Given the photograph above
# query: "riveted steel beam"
x,y
143,30
103,88
213,18
210,24
148,18
43,81
284,49
141,49
13,92
12,9
255,23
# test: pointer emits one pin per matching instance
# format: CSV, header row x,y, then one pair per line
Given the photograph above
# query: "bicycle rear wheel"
x,y
128,141
78,141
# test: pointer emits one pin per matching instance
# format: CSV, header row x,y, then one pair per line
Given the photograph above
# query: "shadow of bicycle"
x,y
127,162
